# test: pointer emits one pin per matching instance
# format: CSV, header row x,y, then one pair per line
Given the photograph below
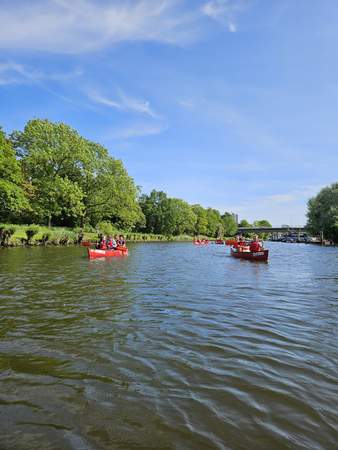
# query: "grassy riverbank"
x,y
18,235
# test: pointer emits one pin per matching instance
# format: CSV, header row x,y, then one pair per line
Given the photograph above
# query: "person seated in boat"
x,y
103,243
121,241
255,245
240,242
110,242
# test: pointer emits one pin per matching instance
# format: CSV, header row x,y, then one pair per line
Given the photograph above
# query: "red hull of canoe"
x,y
219,241
95,253
251,256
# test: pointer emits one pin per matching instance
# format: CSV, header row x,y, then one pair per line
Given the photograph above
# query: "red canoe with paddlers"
x,y
201,242
219,241
94,253
261,255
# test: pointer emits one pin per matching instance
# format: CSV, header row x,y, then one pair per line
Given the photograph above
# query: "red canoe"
x,y
219,241
251,256
204,242
94,253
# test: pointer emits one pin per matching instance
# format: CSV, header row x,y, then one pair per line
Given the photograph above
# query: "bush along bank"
x,y
34,235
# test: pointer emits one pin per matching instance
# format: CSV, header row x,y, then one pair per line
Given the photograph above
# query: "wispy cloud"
x,y
224,12
123,102
80,26
137,130
14,73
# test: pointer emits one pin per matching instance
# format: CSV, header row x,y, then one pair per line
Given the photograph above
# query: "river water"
x,y
172,347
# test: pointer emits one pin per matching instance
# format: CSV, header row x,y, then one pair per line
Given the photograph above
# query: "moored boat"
x,y
94,253
262,255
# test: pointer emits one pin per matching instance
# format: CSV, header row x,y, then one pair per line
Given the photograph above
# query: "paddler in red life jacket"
x,y
110,242
255,245
240,242
103,243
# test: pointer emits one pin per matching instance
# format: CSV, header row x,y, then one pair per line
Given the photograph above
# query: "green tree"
x,y
154,207
201,225
262,223
214,221
322,213
229,224
244,223
179,217
75,181
13,199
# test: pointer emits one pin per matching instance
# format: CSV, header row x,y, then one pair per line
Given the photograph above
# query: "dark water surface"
x,y
173,347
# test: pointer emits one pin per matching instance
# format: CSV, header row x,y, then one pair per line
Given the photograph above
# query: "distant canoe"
x,y
201,242
220,241
251,256
94,253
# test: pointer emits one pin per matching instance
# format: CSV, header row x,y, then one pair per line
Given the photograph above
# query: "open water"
x,y
173,347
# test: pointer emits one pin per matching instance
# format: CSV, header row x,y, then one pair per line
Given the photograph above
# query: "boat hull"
x,y
96,253
262,255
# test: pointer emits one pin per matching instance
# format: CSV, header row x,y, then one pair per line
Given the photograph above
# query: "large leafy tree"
x,y
201,225
214,222
75,180
229,224
180,218
13,199
323,212
164,215
154,207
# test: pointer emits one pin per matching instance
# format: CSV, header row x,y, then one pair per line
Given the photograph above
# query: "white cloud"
x,y
80,26
281,198
14,73
137,130
224,12
124,103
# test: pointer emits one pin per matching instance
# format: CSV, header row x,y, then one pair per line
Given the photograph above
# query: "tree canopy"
x,y
74,180
13,198
50,174
322,212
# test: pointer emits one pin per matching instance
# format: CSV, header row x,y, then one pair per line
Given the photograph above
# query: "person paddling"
x,y
255,245
103,243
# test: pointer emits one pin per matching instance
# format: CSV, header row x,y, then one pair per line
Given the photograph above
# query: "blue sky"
x,y
232,104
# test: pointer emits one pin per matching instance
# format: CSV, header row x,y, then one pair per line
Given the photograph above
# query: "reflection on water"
x,y
173,347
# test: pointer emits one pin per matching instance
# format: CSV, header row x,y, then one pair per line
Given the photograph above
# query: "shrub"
x,y
31,232
46,237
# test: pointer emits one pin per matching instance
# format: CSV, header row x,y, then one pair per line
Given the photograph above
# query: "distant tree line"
x,y
50,175
322,213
